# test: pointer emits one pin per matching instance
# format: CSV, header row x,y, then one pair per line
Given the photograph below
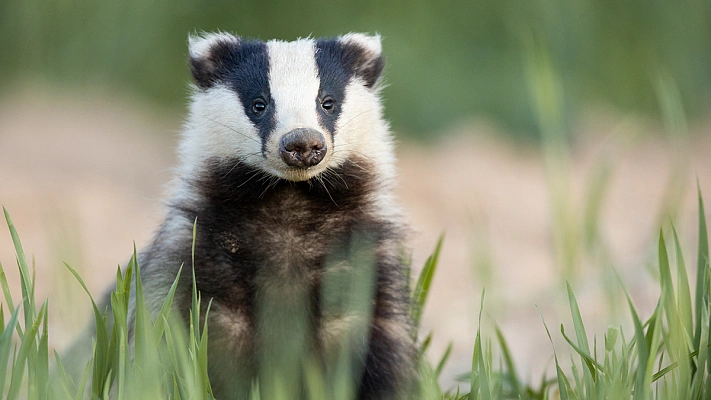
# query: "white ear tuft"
x,y
199,45
370,43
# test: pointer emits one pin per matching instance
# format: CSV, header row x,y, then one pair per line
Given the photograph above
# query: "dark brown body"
x,y
263,250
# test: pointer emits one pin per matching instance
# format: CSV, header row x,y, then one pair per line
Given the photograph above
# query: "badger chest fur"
x,y
287,165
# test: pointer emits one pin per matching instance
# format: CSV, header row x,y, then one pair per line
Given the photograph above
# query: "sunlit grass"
x,y
665,356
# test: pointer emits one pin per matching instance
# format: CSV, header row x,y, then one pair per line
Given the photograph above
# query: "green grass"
x,y
665,356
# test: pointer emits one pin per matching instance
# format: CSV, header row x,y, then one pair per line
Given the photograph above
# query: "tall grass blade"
x,y
159,326
443,360
474,382
424,281
195,295
25,347
677,310
178,359
426,343
583,347
63,379
664,270
684,291
591,363
508,361
5,346
22,260
484,378
146,355
702,270
698,389
101,361
26,282
202,356
42,366
7,294
563,384
81,389
640,391
121,376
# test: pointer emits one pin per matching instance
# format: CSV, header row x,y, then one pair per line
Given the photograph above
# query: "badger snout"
x,y
302,148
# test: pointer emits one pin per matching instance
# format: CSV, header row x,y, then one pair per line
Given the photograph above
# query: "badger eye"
x,y
328,104
259,106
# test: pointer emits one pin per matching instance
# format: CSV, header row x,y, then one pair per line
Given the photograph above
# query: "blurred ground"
x,y
84,177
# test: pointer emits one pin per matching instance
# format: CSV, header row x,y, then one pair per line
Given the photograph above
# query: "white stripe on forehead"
x,y
293,83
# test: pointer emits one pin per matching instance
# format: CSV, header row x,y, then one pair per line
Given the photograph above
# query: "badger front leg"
x,y
390,364
390,369
366,317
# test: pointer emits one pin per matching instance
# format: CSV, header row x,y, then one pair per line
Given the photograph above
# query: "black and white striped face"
x,y
291,109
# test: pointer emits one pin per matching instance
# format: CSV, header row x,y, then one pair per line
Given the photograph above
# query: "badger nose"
x,y
302,148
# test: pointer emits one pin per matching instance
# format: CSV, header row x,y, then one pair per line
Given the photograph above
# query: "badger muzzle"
x,y
302,148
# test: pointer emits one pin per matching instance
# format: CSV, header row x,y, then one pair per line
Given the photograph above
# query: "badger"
x,y
286,161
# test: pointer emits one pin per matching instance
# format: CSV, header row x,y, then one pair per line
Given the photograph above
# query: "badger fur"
x,y
285,161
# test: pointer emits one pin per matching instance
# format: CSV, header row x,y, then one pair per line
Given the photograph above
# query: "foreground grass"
x,y
666,356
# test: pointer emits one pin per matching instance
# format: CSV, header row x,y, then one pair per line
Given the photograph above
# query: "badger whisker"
x,y
318,177
273,181
355,163
352,149
233,130
257,172
357,115
329,172
265,177
231,169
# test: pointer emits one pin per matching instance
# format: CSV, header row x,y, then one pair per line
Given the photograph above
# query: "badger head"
x,y
292,110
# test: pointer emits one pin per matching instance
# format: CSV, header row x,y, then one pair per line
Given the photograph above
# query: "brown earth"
x,y
83,178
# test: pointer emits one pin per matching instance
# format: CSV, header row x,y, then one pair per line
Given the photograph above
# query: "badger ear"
x,y
364,56
209,53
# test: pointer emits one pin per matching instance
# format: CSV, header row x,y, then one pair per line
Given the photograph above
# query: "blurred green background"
x,y
447,60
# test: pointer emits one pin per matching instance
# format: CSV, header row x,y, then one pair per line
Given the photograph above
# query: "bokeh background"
x,y
548,140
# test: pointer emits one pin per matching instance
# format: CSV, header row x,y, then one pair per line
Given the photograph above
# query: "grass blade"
x,y
424,281
6,292
664,270
5,346
84,381
481,379
26,282
63,378
443,360
640,391
508,360
42,367
702,266
27,343
583,347
684,292
164,312
101,360
426,343
563,383
593,366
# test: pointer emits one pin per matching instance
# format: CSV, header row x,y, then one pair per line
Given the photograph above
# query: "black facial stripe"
x,y
334,75
247,73
337,64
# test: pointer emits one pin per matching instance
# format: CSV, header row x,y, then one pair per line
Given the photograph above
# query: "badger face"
x,y
290,109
